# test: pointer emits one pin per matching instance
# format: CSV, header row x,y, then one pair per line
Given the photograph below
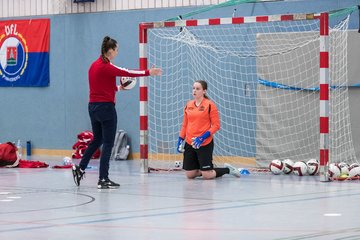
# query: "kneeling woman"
x,y
201,121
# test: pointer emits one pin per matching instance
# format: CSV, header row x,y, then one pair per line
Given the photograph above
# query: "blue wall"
x,y
51,117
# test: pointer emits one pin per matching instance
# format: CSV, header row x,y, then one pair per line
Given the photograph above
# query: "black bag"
x,y
121,148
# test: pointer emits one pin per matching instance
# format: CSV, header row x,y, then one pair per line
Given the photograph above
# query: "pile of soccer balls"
x,y
311,167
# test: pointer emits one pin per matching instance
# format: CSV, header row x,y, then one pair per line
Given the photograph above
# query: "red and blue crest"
x,y
24,53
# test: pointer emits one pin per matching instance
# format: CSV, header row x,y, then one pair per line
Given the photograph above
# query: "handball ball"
x,y
276,166
128,82
288,166
354,171
353,165
67,161
300,168
344,167
334,170
177,164
312,166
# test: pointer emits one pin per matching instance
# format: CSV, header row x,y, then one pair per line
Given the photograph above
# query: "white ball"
x,y
128,82
276,166
312,166
314,160
300,168
353,165
334,170
344,168
177,164
67,161
354,171
288,166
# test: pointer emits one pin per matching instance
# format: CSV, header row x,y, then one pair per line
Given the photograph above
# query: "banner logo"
x,y
13,54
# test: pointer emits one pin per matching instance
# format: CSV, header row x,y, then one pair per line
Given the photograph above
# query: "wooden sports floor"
x,y
43,204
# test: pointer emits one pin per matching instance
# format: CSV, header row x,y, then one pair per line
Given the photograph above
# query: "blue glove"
x,y
180,147
199,140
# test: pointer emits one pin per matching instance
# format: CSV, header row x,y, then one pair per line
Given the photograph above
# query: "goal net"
x,y
263,75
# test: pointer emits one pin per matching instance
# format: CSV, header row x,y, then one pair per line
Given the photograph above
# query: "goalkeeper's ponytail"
x,y
204,86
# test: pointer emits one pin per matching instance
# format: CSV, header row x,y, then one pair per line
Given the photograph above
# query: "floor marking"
x,y
6,200
14,197
4,193
332,214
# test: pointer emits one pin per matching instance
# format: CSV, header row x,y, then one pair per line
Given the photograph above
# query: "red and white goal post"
x,y
268,75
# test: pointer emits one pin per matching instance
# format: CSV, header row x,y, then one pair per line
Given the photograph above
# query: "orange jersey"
x,y
199,119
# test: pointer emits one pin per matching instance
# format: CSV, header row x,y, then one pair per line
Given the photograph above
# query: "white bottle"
x,y
19,147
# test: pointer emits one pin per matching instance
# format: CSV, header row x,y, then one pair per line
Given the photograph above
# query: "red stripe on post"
x,y
324,60
191,23
143,94
324,124
144,151
324,24
324,157
287,17
143,63
146,25
238,20
214,21
143,122
262,19
142,34
169,24
324,91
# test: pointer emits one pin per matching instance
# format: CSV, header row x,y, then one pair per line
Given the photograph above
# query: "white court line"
x,y
332,214
4,193
6,200
14,197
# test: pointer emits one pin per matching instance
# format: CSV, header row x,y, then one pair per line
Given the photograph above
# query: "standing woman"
x,y
201,121
102,84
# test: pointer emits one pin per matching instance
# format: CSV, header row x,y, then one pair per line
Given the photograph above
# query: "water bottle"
x,y
28,148
19,147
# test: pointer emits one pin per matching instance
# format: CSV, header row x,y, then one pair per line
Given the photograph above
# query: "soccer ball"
x,y
300,168
128,82
276,166
288,166
334,170
312,166
177,164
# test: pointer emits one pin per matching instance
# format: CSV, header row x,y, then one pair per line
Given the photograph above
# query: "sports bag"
x,y
121,148
9,156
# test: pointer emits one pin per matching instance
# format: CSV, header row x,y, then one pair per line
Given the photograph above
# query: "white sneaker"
x,y
233,170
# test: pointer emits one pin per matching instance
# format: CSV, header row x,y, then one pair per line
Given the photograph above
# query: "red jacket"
x,y
102,79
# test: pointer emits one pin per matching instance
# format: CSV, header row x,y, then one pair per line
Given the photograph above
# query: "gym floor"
x,y
45,204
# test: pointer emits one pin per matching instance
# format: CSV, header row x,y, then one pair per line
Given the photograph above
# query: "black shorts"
x,y
198,158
